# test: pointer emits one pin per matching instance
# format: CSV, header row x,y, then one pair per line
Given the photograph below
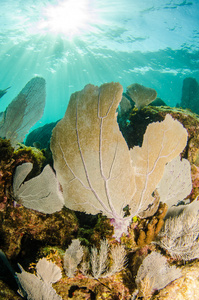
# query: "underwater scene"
x,y
99,149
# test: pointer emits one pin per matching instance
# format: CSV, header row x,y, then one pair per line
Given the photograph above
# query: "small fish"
x,y
3,92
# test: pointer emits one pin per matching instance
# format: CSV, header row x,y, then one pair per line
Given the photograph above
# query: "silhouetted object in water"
x,y
3,92
40,137
7,274
23,111
190,94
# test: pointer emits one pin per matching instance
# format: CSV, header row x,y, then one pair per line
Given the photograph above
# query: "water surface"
x,y
73,43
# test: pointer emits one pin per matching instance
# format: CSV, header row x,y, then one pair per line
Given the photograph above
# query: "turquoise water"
x,y
154,43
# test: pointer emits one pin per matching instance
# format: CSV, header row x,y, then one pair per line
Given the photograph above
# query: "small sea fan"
x,y
154,274
100,260
73,257
40,287
179,235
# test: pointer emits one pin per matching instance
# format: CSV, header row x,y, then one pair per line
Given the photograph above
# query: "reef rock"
x,y
183,288
40,137
23,229
190,94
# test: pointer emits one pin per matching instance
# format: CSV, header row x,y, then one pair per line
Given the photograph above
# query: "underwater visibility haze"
x,y
73,43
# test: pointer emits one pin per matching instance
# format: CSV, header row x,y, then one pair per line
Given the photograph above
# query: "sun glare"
x,y
68,17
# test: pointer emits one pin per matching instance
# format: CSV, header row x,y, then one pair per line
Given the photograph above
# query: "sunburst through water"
x,y
73,43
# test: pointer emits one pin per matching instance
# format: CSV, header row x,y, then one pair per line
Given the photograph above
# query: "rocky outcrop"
x,y
190,94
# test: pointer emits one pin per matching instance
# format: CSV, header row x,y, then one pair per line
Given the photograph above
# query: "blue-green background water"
x,y
151,42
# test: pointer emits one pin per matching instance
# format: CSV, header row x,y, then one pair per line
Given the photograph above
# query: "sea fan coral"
x,y
41,193
24,111
154,274
40,286
97,171
180,233
141,95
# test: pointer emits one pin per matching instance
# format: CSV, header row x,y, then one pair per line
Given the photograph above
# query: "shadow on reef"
x,y
133,124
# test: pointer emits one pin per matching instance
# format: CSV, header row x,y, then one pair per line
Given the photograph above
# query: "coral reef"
x,y
7,293
21,228
23,231
81,287
101,282
142,232
99,263
139,120
9,159
104,267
